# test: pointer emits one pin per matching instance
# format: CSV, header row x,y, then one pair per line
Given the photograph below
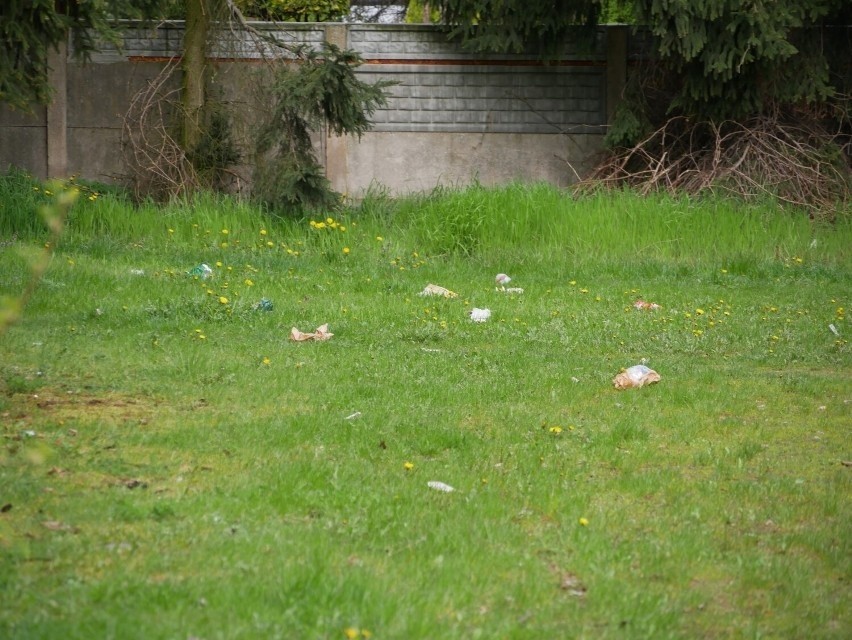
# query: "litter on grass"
x,y
265,304
321,333
439,486
202,271
511,290
636,376
834,330
352,416
435,290
480,315
502,279
642,305
137,272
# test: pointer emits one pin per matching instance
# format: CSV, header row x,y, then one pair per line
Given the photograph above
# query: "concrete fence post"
x,y
334,148
57,113
616,67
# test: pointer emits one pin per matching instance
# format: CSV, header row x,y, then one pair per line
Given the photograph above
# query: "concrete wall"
x,y
452,117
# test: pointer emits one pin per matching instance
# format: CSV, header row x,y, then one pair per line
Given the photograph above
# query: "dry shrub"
x,y
798,161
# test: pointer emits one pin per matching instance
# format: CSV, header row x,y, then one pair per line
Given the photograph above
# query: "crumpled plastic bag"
x,y
435,290
636,376
321,333
480,315
642,305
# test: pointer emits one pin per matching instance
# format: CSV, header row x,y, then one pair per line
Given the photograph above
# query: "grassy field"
x,y
173,466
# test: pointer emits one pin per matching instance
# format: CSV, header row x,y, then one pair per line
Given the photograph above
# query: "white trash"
x,y
636,376
480,315
439,486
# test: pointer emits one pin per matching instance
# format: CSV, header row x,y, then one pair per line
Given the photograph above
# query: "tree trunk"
x,y
194,67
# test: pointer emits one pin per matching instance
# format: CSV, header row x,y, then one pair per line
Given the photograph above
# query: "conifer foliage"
x,y
736,58
30,29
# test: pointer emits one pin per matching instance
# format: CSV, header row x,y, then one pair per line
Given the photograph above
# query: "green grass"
x,y
173,466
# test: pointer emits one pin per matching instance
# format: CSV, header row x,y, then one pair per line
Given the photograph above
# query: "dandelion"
x,y
263,232
270,244
555,430
351,633
584,522
341,228
346,251
380,239
573,282
329,221
171,230
266,361
219,263
225,232
699,312
224,245
223,300
584,290
248,282
408,466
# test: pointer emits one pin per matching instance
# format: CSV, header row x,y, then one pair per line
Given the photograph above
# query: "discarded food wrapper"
x,y
320,334
352,416
834,330
265,304
646,306
510,289
435,290
439,486
480,315
636,376
203,271
137,272
502,279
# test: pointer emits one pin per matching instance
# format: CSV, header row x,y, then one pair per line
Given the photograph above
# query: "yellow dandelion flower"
x,y
171,230
380,238
699,312
224,245
408,466
351,633
329,221
584,290
584,522
263,232
248,282
346,251
573,282
223,300
266,360
556,430
270,244
225,232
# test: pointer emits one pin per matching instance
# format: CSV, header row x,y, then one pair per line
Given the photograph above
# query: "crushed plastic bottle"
x,y
202,271
265,304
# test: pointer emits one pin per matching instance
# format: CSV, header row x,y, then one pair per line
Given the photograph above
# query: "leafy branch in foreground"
x,y
54,216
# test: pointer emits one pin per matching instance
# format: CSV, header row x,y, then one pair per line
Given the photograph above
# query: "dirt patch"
x,y
77,408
